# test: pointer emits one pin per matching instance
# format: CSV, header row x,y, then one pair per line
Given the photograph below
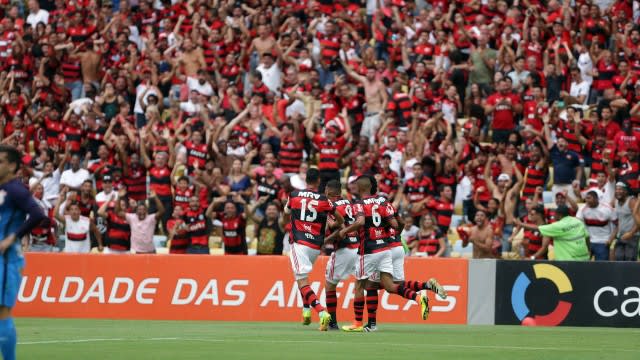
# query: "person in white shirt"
x,y
77,227
200,84
579,92
519,75
107,190
36,15
75,176
394,153
49,177
600,220
271,75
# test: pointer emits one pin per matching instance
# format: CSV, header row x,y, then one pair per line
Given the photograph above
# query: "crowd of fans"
x,y
187,118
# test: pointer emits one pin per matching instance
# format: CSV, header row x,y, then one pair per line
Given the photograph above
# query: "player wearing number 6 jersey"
x,y
374,220
342,262
308,211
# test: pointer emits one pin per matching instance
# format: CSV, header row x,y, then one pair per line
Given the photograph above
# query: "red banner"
x,y
198,287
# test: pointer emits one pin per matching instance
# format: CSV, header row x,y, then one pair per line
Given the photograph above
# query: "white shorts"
x,y
370,126
302,259
370,264
108,250
341,264
83,247
397,258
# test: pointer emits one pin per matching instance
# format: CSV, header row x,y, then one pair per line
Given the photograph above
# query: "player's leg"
x,y
358,308
9,285
386,280
372,299
432,285
331,282
364,268
302,259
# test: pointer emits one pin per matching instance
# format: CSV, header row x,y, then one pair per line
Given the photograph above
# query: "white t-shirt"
x,y
599,221
396,160
74,179
103,197
194,84
51,184
578,89
137,108
42,16
271,77
586,66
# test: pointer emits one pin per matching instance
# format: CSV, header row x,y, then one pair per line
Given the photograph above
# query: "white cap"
x,y
504,177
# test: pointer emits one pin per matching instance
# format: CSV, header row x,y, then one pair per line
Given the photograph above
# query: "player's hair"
x,y
334,185
183,178
313,176
13,155
593,193
368,181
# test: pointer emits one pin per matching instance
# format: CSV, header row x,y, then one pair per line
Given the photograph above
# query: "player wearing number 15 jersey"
x,y
308,210
342,262
375,219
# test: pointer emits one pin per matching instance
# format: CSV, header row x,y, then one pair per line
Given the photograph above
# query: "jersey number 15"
x,y
311,207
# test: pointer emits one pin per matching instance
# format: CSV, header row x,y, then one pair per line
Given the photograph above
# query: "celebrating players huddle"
x,y
366,246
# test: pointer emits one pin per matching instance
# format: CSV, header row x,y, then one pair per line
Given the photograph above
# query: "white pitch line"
x,y
444,346
70,341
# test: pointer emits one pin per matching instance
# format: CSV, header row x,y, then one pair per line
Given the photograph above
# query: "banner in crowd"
x,y
568,293
192,287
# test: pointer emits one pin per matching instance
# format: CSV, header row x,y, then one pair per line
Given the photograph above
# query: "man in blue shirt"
x,y
567,165
19,214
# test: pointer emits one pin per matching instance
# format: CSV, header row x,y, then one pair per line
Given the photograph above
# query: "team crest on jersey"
x,y
3,195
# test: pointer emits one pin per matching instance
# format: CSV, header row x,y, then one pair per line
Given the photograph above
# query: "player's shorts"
x,y
370,264
341,265
10,278
83,246
108,250
397,258
302,259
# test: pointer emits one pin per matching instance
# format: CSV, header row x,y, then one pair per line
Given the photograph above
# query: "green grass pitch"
x,y
119,339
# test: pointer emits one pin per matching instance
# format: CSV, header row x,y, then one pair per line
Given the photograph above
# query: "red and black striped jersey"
x,y
330,47
73,136
180,241
401,106
118,232
136,183
53,129
309,211
290,155
388,186
429,242
344,208
197,227
181,197
196,154
535,176
160,180
534,240
233,235
443,210
418,190
329,151
375,233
